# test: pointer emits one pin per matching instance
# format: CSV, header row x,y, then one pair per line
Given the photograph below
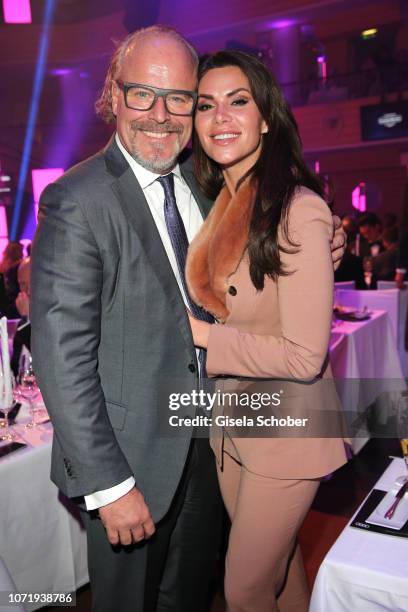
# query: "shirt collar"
x,y
145,177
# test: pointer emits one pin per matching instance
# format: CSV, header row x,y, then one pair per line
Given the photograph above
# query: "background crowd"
x,y
376,250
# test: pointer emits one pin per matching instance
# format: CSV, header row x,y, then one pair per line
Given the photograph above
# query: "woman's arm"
x,y
305,306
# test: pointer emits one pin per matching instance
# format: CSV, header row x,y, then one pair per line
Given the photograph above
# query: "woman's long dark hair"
x,y
279,170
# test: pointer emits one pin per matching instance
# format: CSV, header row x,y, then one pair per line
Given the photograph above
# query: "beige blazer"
x,y
280,333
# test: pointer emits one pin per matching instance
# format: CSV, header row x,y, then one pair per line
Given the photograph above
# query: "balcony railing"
x,y
373,82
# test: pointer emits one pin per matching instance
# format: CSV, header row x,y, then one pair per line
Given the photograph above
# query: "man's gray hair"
x,y
103,105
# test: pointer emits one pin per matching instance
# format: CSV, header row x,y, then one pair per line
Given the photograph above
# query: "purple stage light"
x,y
276,24
41,178
4,239
358,198
17,11
60,71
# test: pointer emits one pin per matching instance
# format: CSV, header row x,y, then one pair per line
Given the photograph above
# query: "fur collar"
x,y
217,250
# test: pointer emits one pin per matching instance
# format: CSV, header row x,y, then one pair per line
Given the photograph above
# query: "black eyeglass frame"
x,y
159,92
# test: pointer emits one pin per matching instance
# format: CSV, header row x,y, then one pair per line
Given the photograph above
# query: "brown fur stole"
x,y
217,250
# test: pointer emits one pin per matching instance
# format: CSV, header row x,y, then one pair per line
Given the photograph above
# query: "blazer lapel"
x,y
204,204
136,209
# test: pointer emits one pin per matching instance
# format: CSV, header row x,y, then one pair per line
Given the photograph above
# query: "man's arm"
x,y
107,496
66,317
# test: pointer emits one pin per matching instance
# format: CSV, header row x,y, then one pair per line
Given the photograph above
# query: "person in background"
x,y
351,266
384,263
350,227
22,337
369,227
390,219
12,256
401,271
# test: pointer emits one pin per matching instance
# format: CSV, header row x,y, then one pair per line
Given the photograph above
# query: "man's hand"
x,y
23,304
127,520
338,243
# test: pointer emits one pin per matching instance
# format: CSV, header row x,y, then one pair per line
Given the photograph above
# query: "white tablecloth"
x,y
402,321
42,540
365,364
365,572
388,298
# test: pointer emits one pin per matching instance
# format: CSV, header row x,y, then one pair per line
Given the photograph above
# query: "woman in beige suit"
x,y
261,264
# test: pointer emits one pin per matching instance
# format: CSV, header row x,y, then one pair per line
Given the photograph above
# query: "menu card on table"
x,y
371,517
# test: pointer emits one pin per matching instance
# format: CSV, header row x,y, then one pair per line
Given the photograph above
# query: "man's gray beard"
x,y
156,165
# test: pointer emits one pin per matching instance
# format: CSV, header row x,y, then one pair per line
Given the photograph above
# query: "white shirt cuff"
x,y
107,496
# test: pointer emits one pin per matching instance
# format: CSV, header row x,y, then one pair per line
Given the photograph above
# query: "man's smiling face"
x,y
154,137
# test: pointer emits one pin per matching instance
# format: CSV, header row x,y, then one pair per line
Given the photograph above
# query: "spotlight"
x,y
367,34
17,11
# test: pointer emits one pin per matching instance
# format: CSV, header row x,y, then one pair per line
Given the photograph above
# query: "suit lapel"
x,y
204,204
136,210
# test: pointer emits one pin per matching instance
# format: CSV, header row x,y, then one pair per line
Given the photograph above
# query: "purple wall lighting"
x,y
277,24
17,11
41,178
3,229
358,198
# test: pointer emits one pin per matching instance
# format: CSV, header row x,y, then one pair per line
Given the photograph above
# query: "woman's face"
x,y
228,122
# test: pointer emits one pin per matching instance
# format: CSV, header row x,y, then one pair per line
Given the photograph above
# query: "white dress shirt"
x,y
192,219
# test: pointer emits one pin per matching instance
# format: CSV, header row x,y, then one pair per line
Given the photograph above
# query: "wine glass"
x,y
6,405
402,432
28,389
6,433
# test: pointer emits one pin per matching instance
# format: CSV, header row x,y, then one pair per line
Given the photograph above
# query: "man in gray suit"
x,y
109,322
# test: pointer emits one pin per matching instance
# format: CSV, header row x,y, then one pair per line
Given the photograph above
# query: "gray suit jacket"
x,y
108,327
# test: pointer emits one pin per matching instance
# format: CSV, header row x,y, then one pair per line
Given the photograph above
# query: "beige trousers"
x,y
264,567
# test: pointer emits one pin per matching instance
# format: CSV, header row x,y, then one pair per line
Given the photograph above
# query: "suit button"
x,y
232,290
191,367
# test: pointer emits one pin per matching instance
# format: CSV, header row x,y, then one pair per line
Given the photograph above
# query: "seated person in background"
x,y
348,223
385,263
22,337
369,226
351,266
12,256
390,219
401,273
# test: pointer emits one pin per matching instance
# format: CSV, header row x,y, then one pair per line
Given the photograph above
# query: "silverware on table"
x,y
399,495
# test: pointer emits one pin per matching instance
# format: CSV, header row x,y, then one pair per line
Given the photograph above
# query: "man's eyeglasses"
x,y
142,97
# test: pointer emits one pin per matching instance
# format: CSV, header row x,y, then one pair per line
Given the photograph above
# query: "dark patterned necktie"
x,y
179,241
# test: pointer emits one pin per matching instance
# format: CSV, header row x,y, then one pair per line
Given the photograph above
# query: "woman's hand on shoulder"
x,y
338,243
307,209
200,331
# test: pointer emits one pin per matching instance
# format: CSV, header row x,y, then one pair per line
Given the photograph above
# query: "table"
x,y
42,540
363,571
366,366
401,322
386,297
